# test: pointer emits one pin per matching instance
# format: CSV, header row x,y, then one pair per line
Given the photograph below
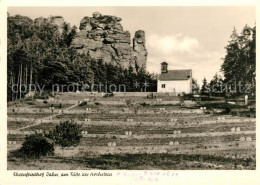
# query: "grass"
x,y
191,160
133,162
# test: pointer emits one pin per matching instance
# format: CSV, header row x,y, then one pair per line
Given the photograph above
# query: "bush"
x,y
227,110
43,95
83,104
128,102
144,104
108,95
150,96
36,146
30,103
66,134
188,97
29,98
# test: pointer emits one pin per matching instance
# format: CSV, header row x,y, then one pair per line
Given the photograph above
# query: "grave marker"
x,y
238,129
113,144
173,120
242,139
87,120
246,99
248,139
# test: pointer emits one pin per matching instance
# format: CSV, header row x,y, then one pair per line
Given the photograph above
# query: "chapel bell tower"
x,y
164,67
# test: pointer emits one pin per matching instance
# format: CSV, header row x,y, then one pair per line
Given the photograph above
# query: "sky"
x,y
185,37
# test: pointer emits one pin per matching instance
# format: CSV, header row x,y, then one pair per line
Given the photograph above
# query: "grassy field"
x,y
205,139
134,162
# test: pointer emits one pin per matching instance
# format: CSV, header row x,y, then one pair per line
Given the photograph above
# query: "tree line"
x,y
39,54
238,67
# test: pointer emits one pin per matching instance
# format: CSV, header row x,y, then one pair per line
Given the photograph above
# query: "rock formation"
x,y
103,37
55,20
59,21
139,49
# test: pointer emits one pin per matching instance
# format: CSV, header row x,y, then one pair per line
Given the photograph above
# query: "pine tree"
x,y
239,63
204,88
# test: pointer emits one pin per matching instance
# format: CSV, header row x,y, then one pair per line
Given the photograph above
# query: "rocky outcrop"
x,y
59,21
38,21
103,37
55,20
140,52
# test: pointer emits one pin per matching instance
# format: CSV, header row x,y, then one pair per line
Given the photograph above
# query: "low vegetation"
x,y
66,134
138,162
36,146
40,145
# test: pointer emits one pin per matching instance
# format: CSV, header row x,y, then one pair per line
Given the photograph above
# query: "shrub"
x,y
29,98
108,95
36,146
128,102
227,110
30,103
144,104
45,102
41,96
66,134
83,104
97,103
188,97
150,96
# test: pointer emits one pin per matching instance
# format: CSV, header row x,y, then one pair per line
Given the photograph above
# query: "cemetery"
x,y
136,125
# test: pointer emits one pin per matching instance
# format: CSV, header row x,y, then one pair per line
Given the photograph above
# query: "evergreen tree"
x,y
216,85
39,54
195,86
204,88
239,63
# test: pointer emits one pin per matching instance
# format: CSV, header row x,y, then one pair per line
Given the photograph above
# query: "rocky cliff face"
x,y
103,37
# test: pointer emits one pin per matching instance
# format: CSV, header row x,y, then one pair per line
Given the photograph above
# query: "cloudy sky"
x,y
185,37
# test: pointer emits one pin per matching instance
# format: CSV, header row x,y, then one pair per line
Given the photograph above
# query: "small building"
x,y
178,81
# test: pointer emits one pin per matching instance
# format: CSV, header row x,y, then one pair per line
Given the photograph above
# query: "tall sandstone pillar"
x,y
139,50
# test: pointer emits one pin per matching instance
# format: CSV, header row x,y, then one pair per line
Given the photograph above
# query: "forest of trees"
x,y
239,66
39,54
